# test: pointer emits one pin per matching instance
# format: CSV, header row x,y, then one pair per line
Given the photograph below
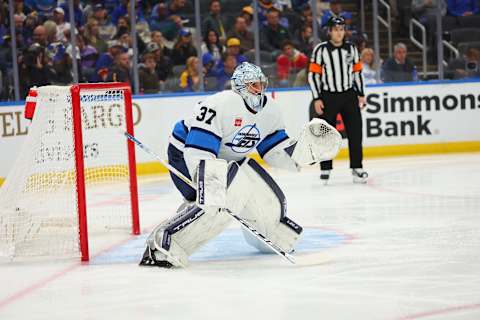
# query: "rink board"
x,y
400,119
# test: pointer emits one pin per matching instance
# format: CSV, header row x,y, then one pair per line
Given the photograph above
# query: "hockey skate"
x,y
325,176
359,175
151,259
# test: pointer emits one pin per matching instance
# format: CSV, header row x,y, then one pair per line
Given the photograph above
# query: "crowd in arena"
x,y
167,56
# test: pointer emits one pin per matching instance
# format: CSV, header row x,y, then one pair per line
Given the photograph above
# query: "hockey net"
x,y
74,176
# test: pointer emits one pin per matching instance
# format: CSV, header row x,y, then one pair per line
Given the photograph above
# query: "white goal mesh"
x,y
39,200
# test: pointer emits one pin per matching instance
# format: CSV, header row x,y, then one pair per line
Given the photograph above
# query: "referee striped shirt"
x,y
335,69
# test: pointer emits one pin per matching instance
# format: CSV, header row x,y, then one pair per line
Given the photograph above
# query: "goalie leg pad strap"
x,y
183,234
265,207
212,183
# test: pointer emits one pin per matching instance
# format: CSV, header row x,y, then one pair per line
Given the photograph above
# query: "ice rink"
x,y
404,246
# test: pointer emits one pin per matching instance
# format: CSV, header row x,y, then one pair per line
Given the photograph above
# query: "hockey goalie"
x,y
210,148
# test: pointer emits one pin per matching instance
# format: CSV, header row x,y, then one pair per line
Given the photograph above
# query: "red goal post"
x,y
75,172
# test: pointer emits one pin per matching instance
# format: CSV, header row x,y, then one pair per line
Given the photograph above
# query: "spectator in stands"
x,y
304,40
123,10
466,67
369,68
92,34
289,62
214,21
247,14
163,64
425,10
233,49
301,79
105,61
336,10
18,21
40,36
149,82
124,39
122,22
120,71
50,31
177,7
19,9
183,48
264,6
161,20
157,37
240,31
105,27
273,35
62,25
88,57
304,18
123,35
399,68
189,78
210,71
30,23
229,63
298,5
61,63
462,8
211,44
34,69
77,13
41,8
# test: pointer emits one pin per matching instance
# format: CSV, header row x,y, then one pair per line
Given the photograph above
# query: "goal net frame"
x,y
79,160
35,222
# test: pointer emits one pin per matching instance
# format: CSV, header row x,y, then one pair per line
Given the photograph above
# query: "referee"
x,y
336,81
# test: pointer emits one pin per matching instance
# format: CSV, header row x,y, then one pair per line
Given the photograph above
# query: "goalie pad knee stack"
x,y
263,205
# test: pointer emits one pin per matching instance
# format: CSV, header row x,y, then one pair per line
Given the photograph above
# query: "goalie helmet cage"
x,y
73,151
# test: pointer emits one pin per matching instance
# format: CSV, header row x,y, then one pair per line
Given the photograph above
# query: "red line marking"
x,y
441,311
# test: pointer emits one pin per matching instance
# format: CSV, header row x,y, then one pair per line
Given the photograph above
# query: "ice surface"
x,y
404,246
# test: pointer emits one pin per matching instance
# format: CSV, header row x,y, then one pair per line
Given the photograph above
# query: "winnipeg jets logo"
x,y
245,139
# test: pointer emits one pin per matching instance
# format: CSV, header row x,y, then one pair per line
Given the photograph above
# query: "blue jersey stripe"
x,y
180,131
204,140
271,141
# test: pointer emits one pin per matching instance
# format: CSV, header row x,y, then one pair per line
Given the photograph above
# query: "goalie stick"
x,y
250,229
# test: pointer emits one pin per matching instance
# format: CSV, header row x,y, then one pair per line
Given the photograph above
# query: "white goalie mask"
x,y
250,83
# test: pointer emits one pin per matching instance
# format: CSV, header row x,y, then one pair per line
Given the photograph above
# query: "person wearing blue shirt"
x,y
336,10
225,72
77,13
233,48
462,8
122,10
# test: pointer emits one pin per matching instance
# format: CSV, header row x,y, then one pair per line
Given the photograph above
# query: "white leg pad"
x,y
186,232
264,208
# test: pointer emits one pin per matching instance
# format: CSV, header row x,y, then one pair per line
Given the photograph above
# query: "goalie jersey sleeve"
x,y
204,137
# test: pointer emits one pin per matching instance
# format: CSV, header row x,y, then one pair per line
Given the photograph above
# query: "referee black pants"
x,y
345,103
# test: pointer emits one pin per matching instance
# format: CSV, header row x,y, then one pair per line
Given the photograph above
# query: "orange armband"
x,y
315,68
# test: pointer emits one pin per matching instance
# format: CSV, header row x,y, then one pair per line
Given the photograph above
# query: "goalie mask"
x,y
250,83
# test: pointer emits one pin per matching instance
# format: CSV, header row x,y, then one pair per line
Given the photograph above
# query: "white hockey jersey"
x,y
223,126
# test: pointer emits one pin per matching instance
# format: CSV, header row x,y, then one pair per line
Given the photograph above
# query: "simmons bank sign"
x,y
422,113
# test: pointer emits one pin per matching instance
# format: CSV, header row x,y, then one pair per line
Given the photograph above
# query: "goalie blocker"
x,y
251,193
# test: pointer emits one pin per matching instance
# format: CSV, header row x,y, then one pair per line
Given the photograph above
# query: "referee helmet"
x,y
335,21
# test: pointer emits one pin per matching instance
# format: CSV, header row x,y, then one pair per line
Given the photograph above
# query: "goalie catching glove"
x,y
317,142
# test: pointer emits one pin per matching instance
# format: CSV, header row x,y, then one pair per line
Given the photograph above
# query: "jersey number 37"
x,y
203,115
